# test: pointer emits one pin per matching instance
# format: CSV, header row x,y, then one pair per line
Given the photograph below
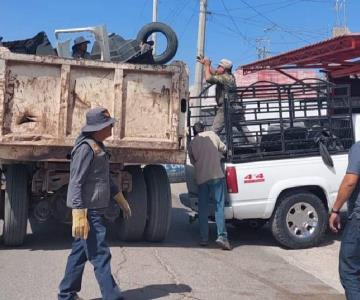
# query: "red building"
x,y
273,76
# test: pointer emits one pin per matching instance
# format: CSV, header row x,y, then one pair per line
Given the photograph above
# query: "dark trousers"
x,y
216,189
95,250
349,262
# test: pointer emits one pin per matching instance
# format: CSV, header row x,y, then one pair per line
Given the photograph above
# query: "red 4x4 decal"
x,y
253,178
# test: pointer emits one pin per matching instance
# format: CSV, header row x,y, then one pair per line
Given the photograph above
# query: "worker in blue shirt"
x,y
349,257
89,192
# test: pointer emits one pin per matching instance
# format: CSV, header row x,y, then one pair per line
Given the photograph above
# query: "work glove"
x,y
120,199
80,224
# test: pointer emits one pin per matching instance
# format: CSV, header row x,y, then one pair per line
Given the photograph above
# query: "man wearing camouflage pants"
x,y
225,84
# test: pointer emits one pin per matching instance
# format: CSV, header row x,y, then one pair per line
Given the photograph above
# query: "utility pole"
x,y
340,27
261,48
200,48
154,19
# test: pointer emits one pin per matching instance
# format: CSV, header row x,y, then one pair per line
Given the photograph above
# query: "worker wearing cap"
x,y
79,49
89,192
205,154
225,89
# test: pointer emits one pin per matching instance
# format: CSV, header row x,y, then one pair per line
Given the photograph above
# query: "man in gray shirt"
x,y
89,192
204,152
349,259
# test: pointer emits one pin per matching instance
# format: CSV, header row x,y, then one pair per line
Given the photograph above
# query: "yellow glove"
x,y
120,199
80,225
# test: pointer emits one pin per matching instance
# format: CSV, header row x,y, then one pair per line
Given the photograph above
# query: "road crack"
x,y
120,264
166,266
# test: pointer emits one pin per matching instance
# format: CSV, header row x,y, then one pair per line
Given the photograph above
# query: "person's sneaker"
x,y
223,243
204,243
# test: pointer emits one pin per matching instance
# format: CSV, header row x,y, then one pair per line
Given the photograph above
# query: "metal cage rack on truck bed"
x,y
267,120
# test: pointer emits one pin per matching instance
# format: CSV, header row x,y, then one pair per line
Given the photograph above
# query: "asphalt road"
x,y
257,268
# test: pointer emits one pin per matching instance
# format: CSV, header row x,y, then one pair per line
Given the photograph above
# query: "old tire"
x,y
170,35
132,229
16,204
300,220
159,203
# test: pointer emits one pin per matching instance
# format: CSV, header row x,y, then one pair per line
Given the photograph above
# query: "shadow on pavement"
x,y
155,291
182,234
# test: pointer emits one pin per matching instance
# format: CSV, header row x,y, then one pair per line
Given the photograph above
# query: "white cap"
x,y
225,63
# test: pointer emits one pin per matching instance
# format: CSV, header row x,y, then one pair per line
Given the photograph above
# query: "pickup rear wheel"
x,y
159,203
132,229
16,204
300,220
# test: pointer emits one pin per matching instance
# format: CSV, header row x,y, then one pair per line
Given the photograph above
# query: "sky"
x,y
234,28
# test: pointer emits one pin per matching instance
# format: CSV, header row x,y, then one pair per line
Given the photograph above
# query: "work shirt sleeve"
x,y
354,160
79,167
191,156
114,188
221,145
217,79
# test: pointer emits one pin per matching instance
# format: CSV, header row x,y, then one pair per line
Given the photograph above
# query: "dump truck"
x,y
44,100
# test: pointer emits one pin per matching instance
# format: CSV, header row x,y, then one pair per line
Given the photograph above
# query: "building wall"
x,y
272,75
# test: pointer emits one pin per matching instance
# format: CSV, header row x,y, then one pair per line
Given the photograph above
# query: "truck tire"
x,y
159,203
2,203
171,38
16,204
299,220
132,229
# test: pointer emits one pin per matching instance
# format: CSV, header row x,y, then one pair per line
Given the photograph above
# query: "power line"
x,y
272,22
277,8
244,37
188,22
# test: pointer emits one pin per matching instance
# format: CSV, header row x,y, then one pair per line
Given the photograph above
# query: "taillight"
x,y
231,180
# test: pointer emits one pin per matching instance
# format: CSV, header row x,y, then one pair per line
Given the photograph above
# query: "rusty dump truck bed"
x,y
44,100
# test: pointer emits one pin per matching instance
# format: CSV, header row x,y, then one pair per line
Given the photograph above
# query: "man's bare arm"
x,y
347,187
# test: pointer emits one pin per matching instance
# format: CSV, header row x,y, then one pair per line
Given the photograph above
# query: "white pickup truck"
x,y
282,178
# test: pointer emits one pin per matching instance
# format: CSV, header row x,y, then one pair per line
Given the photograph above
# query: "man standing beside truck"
x,y
89,192
204,155
349,258
225,88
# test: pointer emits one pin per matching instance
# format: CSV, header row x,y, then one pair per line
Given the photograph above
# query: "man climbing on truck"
x,y
224,91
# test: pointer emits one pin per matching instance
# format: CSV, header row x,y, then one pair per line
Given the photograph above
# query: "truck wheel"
x,y
159,203
16,204
2,203
171,38
132,229
299,221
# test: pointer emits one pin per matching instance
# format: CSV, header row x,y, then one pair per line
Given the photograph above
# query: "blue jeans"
x,y
95,250
349,261
216,189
